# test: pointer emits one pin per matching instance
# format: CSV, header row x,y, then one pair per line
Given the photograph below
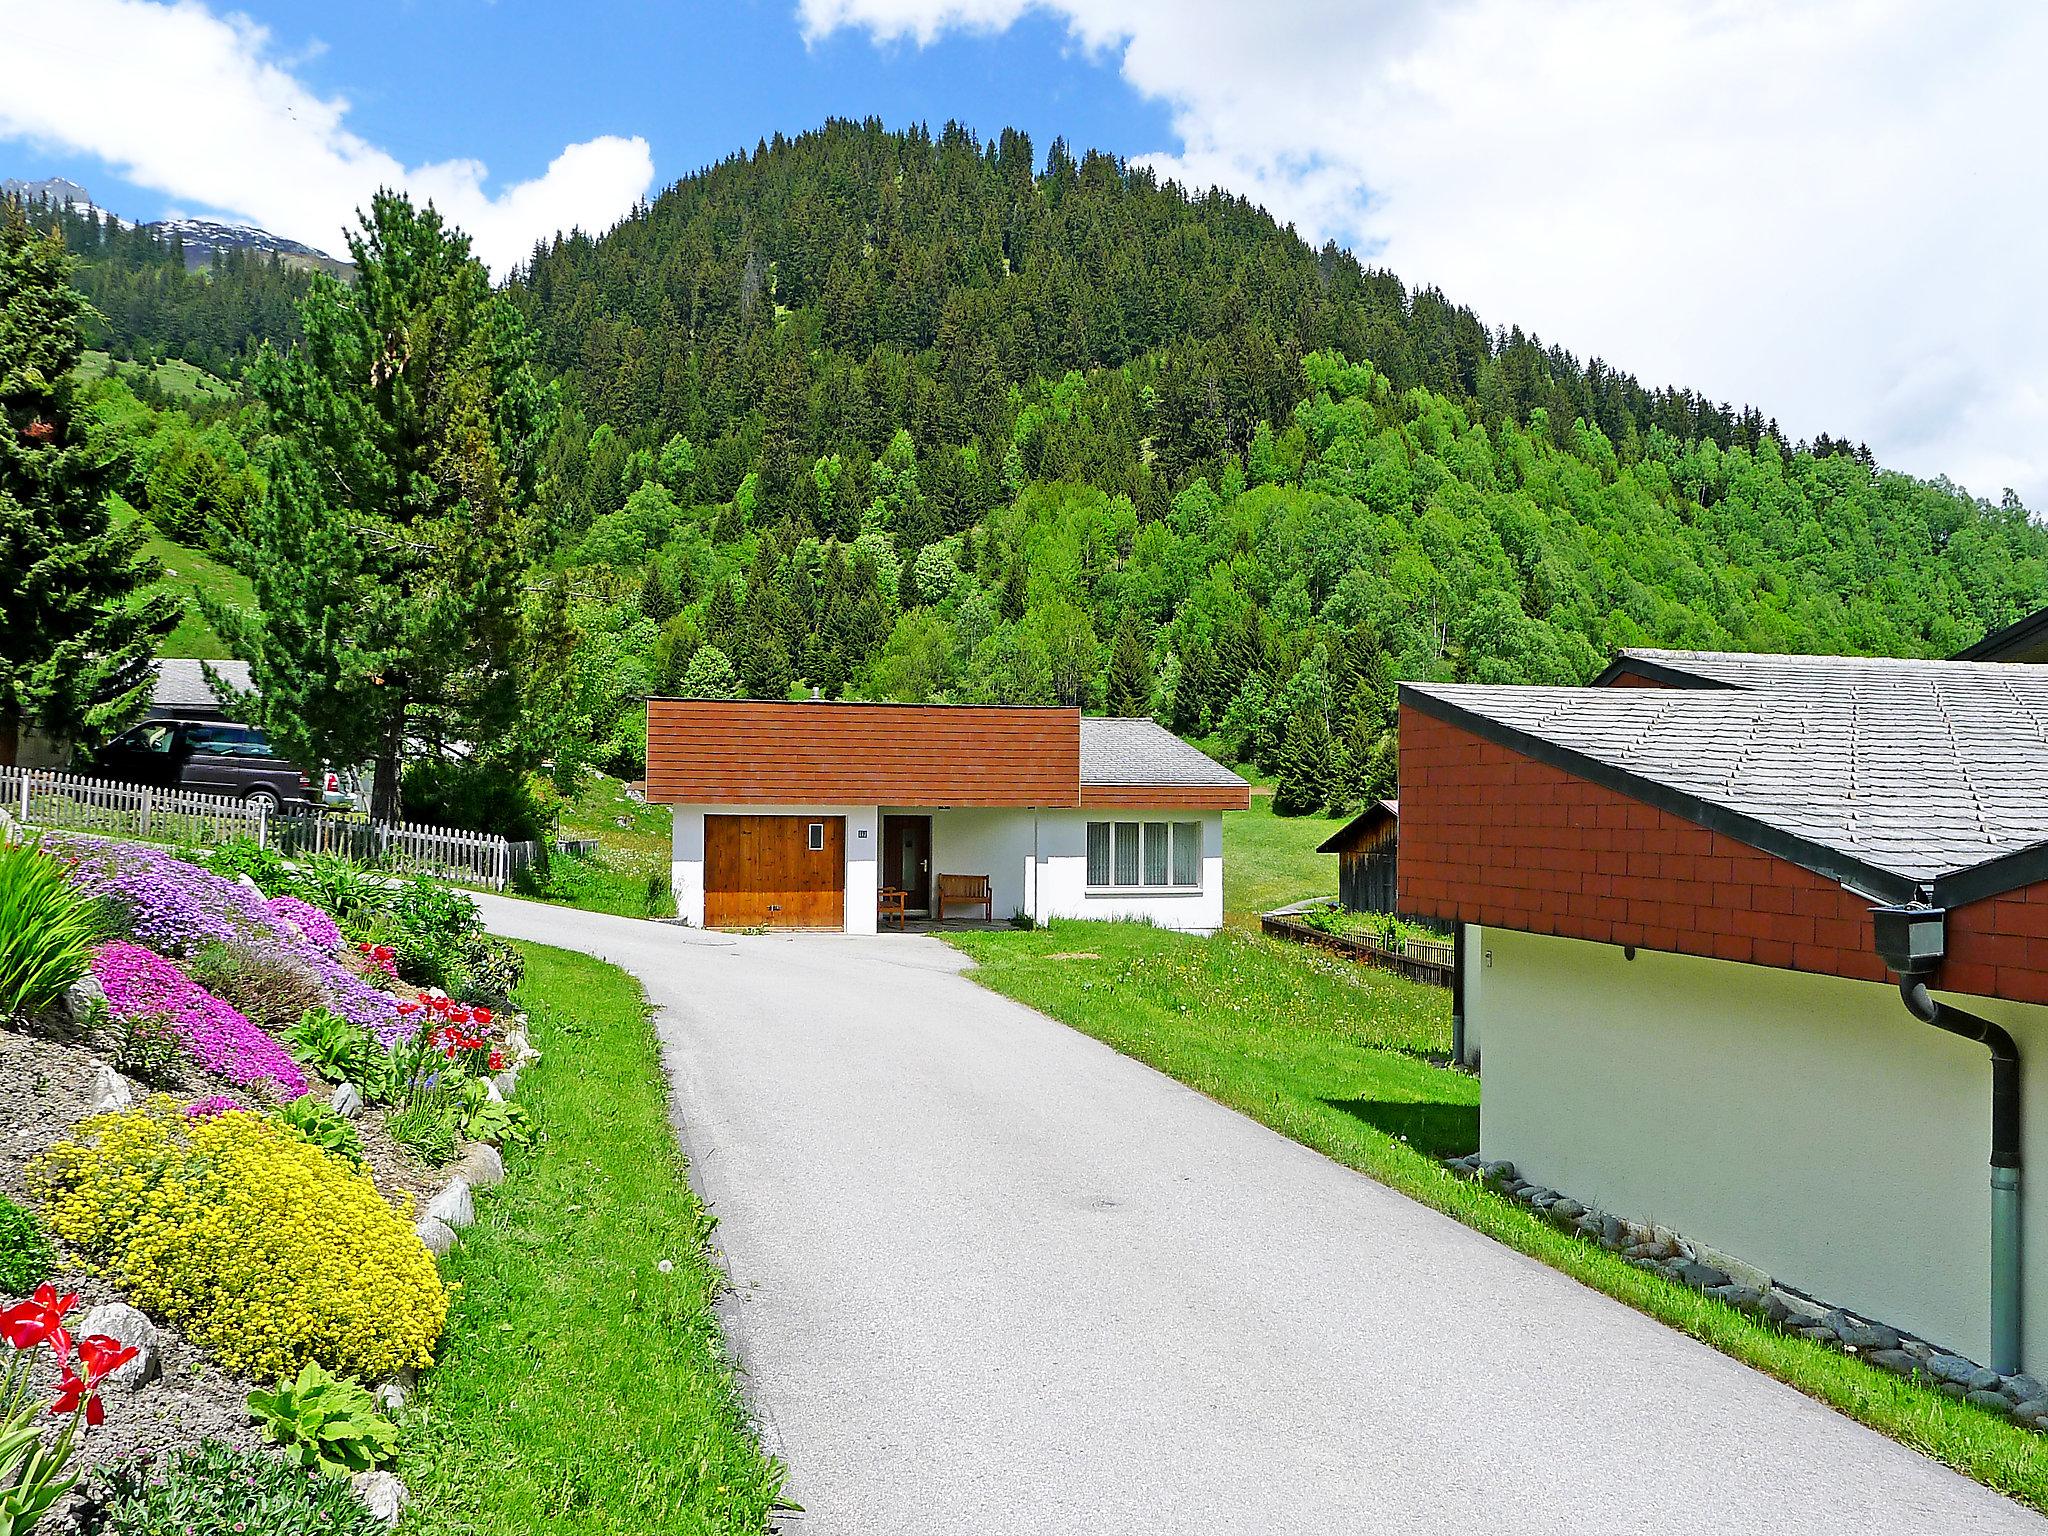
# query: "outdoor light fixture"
x,y
1911,939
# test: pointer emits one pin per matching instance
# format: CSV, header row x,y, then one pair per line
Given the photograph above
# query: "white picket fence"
x,y
65,802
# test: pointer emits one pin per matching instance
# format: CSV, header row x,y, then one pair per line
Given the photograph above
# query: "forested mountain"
x,y
151,302
896,415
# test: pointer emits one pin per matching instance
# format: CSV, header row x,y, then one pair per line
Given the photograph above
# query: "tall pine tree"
x,y
78,627
1129,687
391,547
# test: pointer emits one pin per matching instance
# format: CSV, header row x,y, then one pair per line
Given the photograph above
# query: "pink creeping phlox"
x,y
139,984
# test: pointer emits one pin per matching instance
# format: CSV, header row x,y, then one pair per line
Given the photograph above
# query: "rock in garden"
x,y
2022,1388
453,1206
1897,1361
346,1101
389,1398
1990,1402
507,1082
437,1235
1866,1338
1984,1380
1951,1368
482,1166
83,998
2033,1412
1567,1209
123,1323
491,1093
382,1494
1774,1306
1497,1175
110,1092
1699,1276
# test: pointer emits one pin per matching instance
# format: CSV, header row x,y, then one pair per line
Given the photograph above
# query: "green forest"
x,y
899,415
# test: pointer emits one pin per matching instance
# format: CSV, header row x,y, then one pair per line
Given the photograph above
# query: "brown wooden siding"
x,y
1163,797
756,752
761,871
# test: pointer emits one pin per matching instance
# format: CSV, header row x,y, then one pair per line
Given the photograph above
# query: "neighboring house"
x,y
1672,976
2025,641
1366,846
801,814
182,692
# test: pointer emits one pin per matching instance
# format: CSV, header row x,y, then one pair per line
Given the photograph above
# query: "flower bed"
x,y
139,984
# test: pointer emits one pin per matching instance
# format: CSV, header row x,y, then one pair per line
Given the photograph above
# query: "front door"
x,y
907,859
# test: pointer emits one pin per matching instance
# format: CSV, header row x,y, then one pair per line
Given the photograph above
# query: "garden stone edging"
x,y
2020,1397
346,1102
125,1325
453,1207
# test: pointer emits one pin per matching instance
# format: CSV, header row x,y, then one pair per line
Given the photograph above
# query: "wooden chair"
x,y
890,902
964,890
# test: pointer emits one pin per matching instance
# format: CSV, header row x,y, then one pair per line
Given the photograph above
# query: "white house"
x,y
831,815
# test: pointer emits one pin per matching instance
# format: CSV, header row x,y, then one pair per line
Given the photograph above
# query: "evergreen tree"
x,y
392,544
78,626
709,676
1310,767
659,600
1128,690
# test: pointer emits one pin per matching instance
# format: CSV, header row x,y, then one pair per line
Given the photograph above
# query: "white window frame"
x,y
1120,837
817,837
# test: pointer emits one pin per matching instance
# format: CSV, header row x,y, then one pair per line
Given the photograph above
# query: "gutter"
x,y
1912,940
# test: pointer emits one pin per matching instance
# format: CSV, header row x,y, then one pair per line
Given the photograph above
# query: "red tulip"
x,y
406,1008
481,1015
101,1355
39,1320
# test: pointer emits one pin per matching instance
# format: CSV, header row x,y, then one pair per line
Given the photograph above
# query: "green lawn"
x,y
629,874
188,572
1324,1052
1269,861
581,1390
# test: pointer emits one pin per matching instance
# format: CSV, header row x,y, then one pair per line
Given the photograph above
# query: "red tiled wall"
x,y
1490,836
1998,947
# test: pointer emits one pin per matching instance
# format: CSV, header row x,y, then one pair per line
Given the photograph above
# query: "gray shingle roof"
x,y
1127,751
1880,774
1860,677
181,685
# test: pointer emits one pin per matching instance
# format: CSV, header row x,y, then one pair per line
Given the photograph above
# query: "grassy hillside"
x,y
190,572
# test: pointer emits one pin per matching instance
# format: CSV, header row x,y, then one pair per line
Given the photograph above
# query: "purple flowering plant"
x,y
208,1109
141,984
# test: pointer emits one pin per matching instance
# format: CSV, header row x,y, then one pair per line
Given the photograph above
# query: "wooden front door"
x,y
907,859
775,871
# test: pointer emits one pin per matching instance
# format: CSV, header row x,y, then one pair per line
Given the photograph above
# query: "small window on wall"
x,y
817,837
1141,855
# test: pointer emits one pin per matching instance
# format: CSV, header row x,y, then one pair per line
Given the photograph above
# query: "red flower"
x,y
440,1005
406,1008
481,1015
73,1390
39,1320
101,1356
382,952
497,1061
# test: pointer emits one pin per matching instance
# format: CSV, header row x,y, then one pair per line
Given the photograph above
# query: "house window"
x,y
1142,855
817,836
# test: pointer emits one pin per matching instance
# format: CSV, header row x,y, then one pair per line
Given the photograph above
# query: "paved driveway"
x,y
994,1278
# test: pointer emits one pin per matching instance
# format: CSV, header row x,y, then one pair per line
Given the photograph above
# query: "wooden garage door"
x,y
762,871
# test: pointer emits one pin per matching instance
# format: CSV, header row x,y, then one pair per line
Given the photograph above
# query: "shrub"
x,y
149,1049
325,1424
332,1046
218,1490
139,984
354,896
316,1123
437,939
267,983
47,930
262,1247
25,1256
476,797
246,856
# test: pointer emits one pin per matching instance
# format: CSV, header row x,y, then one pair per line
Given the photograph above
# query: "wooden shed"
x,y
1365,847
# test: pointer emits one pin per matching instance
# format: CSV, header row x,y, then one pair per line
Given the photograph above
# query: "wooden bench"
x,y
964,891
890,902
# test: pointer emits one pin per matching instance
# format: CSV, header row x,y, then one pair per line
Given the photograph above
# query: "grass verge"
x,y
628,874
1269,861
1270,1031
582,1390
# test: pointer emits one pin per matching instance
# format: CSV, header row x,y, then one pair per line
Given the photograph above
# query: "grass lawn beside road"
x,y
1327,1053
582,1390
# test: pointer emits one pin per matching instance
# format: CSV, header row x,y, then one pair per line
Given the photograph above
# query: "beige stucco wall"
x,y
1804,1123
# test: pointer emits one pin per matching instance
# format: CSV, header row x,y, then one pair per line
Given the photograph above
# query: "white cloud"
x,y
1834,210
207,109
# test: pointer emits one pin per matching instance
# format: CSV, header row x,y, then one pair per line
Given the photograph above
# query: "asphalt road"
x,y
993,1278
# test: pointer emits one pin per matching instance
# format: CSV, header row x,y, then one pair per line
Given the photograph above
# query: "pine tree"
x,y
78,627
1129,687
391,547
709,676
1310,767
659,600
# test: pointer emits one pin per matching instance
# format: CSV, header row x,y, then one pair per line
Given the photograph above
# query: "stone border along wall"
x,y
2020,1398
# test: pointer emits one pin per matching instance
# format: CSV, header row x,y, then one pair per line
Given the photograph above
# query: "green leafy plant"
x,y
219,1490
426,1128
355,897
148,1049
324,1423
487,1119
337,1049
246,856
322,1127
47,930
25,1255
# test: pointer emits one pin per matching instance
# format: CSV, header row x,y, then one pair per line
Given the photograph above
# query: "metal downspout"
x,y
2005,1160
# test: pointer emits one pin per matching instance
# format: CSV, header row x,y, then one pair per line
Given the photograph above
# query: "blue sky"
x,y
1833,210
512,82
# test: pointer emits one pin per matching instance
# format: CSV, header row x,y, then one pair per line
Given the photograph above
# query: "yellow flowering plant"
x,y
265,1249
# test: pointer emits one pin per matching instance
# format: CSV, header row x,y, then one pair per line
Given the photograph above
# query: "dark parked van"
x,y
210,758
